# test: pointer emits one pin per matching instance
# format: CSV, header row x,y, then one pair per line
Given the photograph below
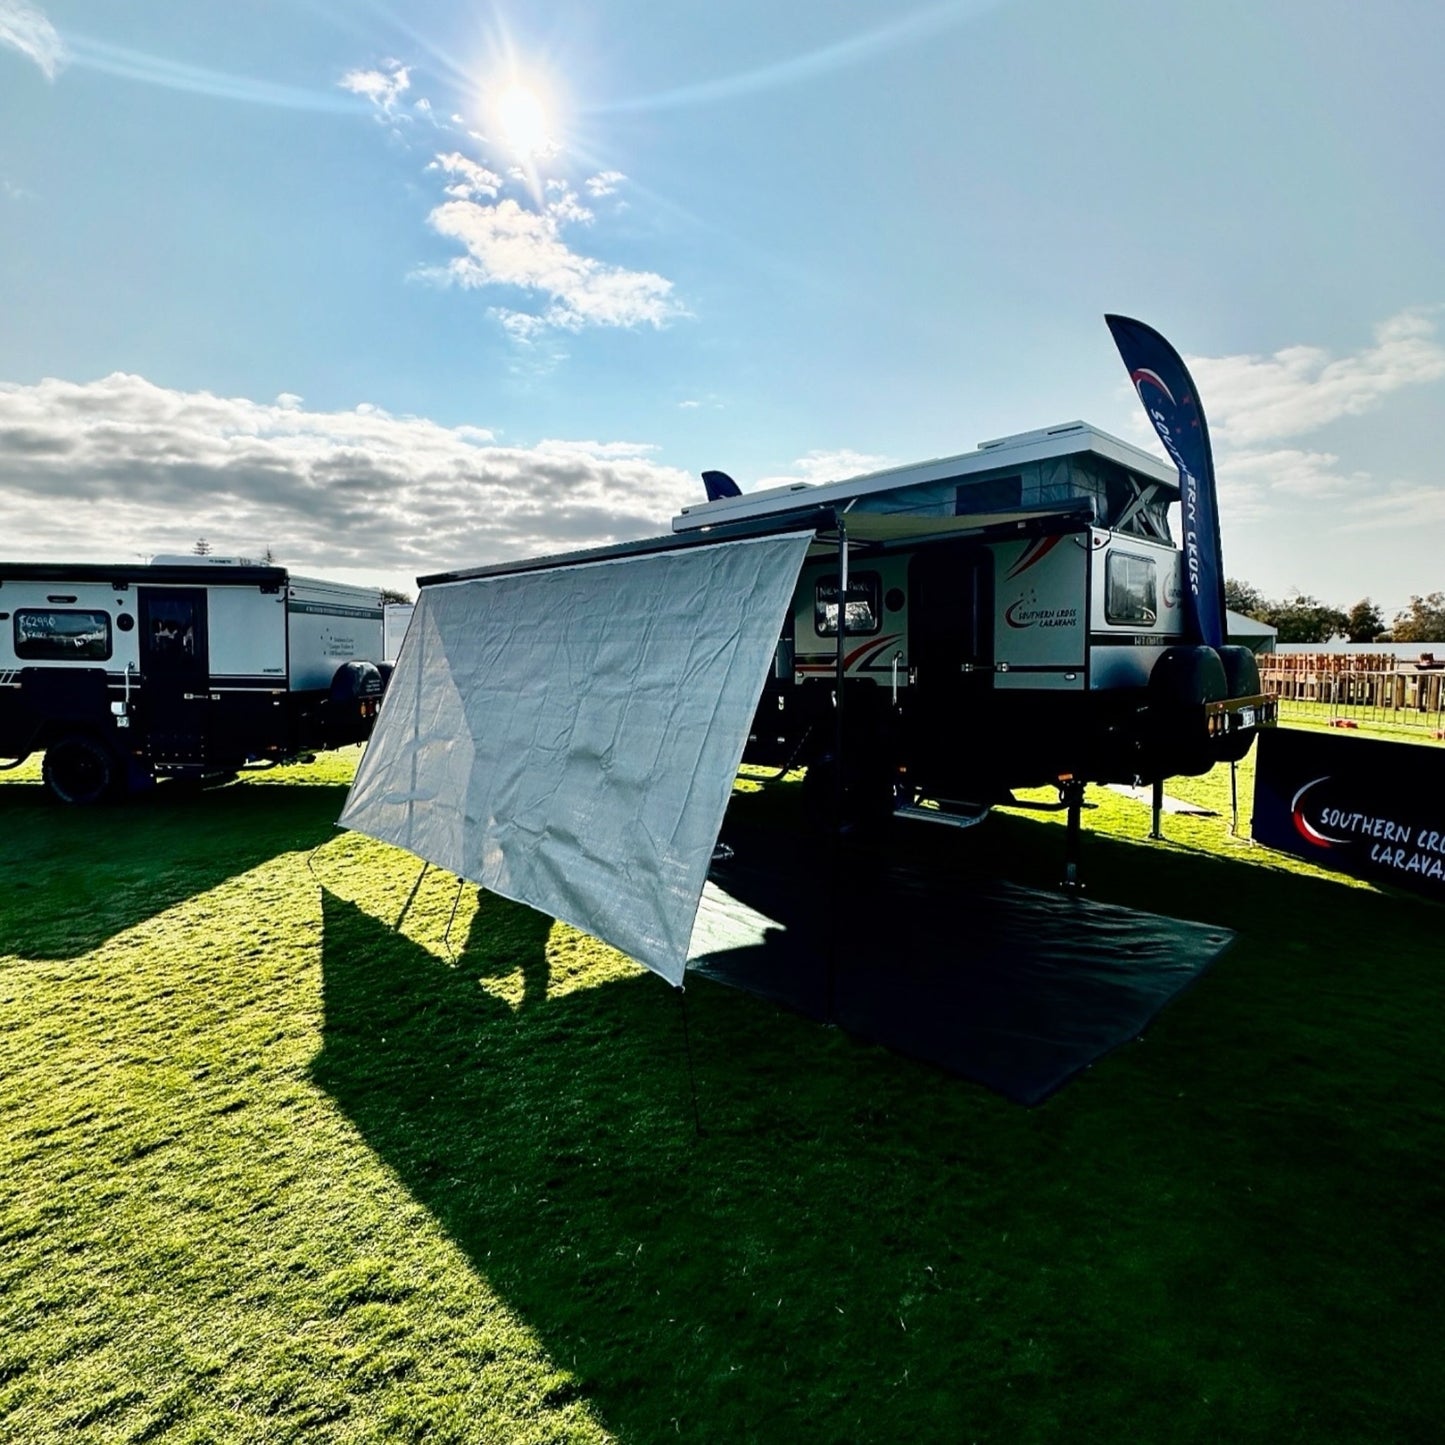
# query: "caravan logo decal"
x,y
1026,612
1303,826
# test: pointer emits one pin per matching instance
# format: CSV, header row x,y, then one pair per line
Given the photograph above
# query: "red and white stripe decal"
x,y
1036,551
859,657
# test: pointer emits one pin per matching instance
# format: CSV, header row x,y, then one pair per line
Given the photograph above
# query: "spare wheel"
x,y
80,769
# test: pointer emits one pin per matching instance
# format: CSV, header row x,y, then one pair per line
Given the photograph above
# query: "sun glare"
x,y
523,119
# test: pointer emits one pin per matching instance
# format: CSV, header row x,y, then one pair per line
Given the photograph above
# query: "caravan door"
x,y
950,655
175,675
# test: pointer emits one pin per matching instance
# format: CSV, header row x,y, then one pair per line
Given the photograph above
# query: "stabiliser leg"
x,y
1071,794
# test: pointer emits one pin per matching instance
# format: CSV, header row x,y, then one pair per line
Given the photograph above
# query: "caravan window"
x,y
58,634
994,494
864,613
1131,591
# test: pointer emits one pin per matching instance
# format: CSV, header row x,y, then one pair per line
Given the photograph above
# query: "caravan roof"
x,y
1008,454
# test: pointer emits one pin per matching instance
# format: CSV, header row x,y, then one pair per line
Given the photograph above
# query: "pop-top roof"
x,y
1049,443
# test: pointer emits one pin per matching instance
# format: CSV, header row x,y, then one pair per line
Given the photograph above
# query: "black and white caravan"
x,y
1012,618
186,666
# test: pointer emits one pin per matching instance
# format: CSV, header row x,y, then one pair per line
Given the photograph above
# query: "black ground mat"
x,y
1018,988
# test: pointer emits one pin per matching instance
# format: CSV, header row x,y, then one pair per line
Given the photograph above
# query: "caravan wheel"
x,y
80,770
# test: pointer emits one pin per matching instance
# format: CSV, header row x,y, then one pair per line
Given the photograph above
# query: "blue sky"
x,y
392,288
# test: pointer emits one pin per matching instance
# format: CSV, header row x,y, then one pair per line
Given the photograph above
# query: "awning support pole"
x,y
1155,831
1233,800
840,663
839,791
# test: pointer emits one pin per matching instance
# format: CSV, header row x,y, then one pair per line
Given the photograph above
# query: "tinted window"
x,y
863,609
1131,592
994,494
172,623
59,634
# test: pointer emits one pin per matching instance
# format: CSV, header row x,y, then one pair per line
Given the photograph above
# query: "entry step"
x,y
936,815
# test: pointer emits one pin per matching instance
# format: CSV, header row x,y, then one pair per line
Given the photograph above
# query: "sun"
x,y
523,118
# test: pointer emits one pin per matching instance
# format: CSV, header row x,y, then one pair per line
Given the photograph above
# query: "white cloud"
x,y
829,466
1255,399
507,245
1404,509
475,179
519,325
1253,483
383,88
604,183
105,469
24,28
564,205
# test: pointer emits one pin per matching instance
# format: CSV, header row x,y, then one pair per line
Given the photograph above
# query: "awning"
x,y
568,738
907,528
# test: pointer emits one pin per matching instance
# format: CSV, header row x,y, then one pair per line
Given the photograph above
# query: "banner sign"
x,y
1372,809
1167,392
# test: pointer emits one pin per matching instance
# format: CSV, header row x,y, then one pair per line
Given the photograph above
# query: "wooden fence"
x,y
1358,687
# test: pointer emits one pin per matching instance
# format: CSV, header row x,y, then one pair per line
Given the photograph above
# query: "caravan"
x,y
1011,618
186,666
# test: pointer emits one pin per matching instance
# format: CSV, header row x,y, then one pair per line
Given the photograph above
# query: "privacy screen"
x,y
569,737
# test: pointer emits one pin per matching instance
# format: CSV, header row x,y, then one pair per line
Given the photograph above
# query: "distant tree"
x,y
1364,622
1304,619
390,594
268,557
1241,597
1422,621
202,547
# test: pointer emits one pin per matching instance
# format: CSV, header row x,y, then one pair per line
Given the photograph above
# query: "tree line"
x,y
1306,619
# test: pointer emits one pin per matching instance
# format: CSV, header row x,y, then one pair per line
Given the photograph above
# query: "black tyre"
x,y
355,681
1182,681
1185,678
1241,671
81,770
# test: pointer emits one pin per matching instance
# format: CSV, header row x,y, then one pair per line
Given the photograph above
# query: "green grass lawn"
x,y
274,1169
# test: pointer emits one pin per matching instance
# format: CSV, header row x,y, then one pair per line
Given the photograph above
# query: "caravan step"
x,y
949,820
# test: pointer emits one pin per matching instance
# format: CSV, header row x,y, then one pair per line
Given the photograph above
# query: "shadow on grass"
x,y
860,1248
76,877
